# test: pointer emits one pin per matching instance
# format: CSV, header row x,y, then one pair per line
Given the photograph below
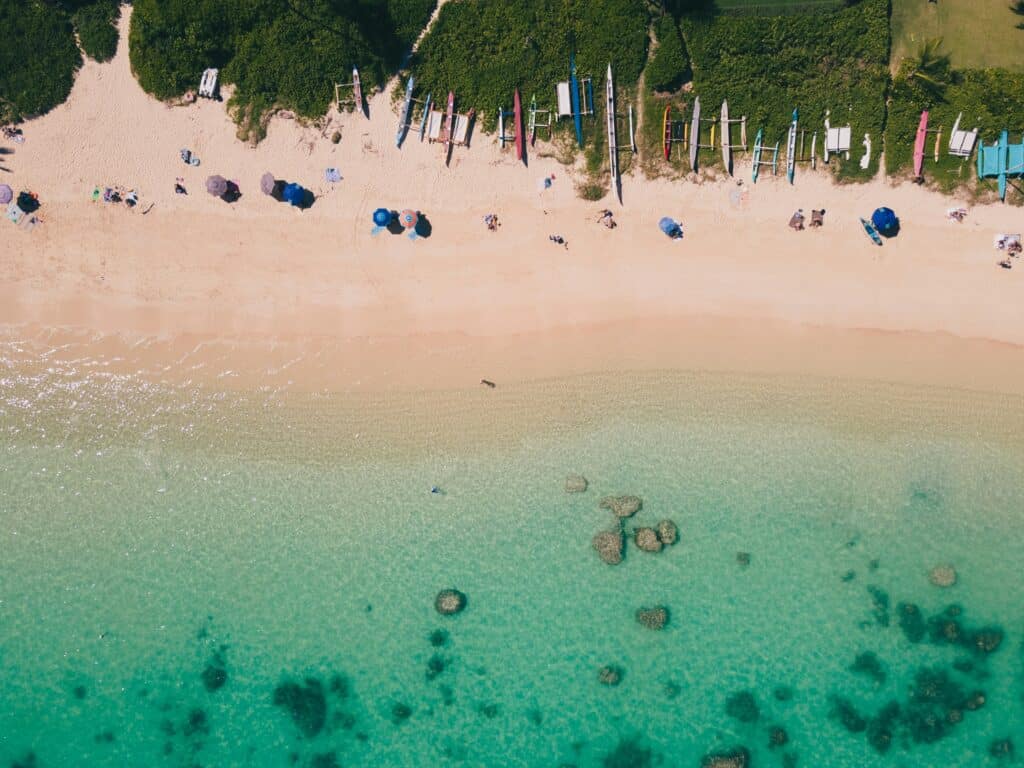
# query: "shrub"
x,y
669,68
276,54
96,25
38,58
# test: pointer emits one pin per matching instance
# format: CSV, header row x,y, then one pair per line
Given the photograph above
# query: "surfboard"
x,y
757,154
694,133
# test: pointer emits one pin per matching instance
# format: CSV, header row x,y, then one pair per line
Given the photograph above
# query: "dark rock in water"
x,y
986,640
339,686
490,711
29,761
344,720
790,760
848,577
743,707
934,706
882,726
911,622
214,677
647,540
168,748
963,665
535,716
447,695
400,713
668,533
305,702
439,638
945,631
868,664
873,565
844,711
975,701
629,753
671,690
621,506
105,737
610,674
167,727
79,692
879,606
575,484
738,757
325,760
783,693
777,737
196,724
609,546
363,737
449,602
435,666
743,558
1001,748
935,686
652,618
954,716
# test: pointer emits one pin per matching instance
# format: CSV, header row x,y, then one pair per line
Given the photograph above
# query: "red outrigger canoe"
x,y
922,134
517,117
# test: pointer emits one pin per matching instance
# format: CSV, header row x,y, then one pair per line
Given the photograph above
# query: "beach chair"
x,y
837,141
961,143
435,121
14,213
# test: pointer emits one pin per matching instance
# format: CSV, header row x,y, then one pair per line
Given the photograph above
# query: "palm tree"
x,y
1017,7
930,68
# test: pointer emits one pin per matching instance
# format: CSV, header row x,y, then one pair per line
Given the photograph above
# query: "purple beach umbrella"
x,y
6,194
267,182
217,186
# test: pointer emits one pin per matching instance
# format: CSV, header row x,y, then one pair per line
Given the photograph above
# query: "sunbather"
x,y
817,217
796,221
179,186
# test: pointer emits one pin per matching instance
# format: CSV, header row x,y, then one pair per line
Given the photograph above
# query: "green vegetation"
x,y
978,34
96,24
38,58
669,67
991,100
483,50
767,66
276,53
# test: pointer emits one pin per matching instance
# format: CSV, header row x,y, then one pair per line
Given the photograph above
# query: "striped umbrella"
x,y
6,194
408,217
217,186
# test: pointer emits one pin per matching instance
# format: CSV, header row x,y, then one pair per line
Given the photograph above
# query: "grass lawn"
x,y
976,33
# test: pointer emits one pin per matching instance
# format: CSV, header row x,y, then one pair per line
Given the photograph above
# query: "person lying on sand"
x,y
179,186
796,221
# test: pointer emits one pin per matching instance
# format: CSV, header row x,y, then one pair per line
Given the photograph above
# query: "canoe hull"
x,y
667,130
613,151
694,134
517,117
403,120
574,99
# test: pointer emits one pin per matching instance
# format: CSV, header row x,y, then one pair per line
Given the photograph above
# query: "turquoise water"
x,y
162,541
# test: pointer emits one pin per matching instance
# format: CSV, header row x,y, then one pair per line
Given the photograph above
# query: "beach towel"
x,y
332,175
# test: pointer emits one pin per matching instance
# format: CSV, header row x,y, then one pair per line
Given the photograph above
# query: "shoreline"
x,y
259,285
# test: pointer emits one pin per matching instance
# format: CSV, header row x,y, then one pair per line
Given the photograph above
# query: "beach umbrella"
x,y
885,221
267,182
669,226
408,217
217,186
382,217
6,194
293,193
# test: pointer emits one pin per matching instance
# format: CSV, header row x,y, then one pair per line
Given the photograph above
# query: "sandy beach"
x,y
316,290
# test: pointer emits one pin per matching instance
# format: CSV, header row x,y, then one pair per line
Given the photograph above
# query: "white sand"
x,y
195,268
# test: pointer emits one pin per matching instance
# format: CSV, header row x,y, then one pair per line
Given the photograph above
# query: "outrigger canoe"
x,y
403,120
449,126
872,232
694,133
791,148
517,117
919,141
613,151
357,89
757,153
726,147
574,99
667,127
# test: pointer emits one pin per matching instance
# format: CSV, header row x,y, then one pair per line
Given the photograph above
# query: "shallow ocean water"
x,y
161,541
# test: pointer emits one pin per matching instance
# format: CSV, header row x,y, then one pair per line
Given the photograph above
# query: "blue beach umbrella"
x,y
885,222
381,218
293,193
670,227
